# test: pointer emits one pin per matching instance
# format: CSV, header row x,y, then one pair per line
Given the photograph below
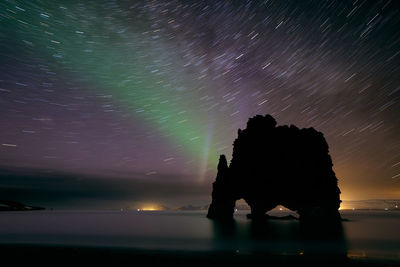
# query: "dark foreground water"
x,y
365,234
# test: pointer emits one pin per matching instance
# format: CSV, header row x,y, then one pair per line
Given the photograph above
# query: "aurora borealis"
x,y
157,89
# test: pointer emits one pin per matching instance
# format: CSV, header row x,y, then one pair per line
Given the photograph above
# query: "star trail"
x,y
143,89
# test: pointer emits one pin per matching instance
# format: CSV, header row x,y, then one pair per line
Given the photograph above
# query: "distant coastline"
x,y
9,205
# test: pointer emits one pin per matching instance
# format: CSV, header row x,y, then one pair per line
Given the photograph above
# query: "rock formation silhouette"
x,y
277,165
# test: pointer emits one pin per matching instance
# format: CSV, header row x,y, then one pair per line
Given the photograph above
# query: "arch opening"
x,y
241,205
281,211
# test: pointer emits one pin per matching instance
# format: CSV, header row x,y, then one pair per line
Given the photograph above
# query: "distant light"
x,y
280,209
356,254
138,209
397,206
386,209
151,207
353,208
148,209
236,210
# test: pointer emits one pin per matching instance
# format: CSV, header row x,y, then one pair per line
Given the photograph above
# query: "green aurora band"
x,y
115,60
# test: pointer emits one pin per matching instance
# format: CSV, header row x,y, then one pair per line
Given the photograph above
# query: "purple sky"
x,y
120,94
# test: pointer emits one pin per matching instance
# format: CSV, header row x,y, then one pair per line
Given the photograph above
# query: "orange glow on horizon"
x,y
150,207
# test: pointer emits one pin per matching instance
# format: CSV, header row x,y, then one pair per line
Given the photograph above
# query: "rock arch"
x,y
273,166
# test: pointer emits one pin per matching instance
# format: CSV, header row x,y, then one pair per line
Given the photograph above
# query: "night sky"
x,y
143,96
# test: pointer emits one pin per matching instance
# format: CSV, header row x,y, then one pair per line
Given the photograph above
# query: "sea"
x,y
363,233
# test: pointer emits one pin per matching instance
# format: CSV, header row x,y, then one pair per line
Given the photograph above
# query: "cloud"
x,y
66,190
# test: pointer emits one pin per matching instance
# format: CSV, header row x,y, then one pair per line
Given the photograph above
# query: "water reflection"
x,y
226,234
281,237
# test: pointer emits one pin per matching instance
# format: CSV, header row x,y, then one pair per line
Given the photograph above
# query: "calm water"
x,y
365,234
